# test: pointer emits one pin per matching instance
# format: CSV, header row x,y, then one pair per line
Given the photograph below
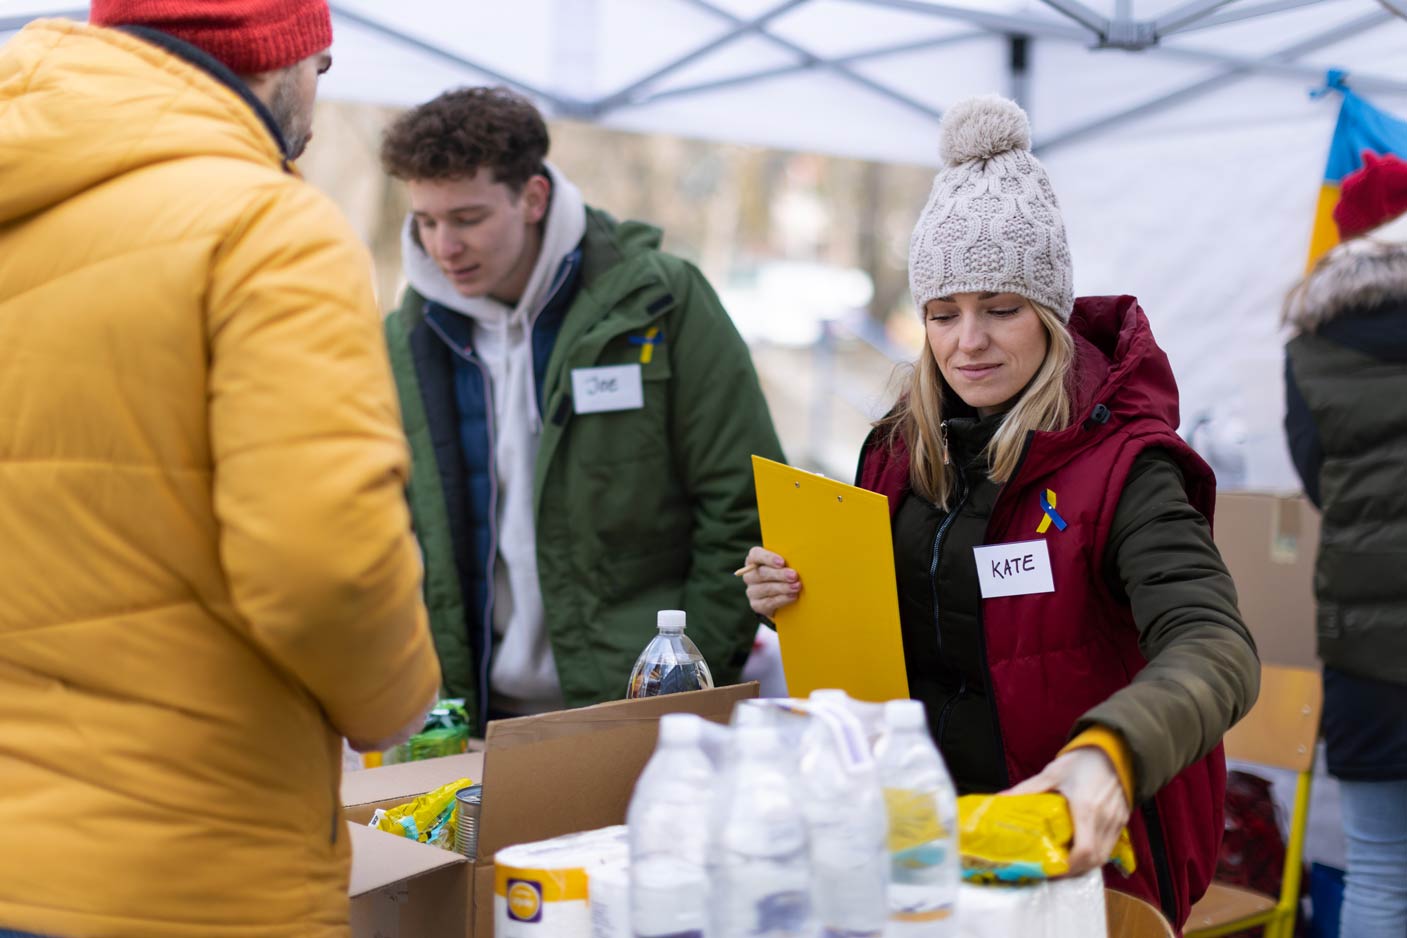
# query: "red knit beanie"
x,y
249,36
1372,196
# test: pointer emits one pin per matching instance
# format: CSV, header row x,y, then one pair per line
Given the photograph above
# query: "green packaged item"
x,y
446,733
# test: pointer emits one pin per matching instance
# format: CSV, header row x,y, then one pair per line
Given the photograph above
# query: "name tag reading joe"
x,y
610,387
1018,569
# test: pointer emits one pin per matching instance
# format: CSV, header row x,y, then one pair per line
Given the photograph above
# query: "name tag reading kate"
x,y
607,388
1018,569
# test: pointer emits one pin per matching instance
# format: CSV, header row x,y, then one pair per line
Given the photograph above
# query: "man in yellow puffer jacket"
x,y
207,573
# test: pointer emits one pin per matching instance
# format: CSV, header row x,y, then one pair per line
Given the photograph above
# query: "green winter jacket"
x,y
1346,403
636,510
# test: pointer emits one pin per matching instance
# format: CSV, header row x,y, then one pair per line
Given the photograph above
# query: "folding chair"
x,y
1280,731
1131,917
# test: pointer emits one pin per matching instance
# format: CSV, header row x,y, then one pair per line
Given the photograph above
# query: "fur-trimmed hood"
x,y
1358,276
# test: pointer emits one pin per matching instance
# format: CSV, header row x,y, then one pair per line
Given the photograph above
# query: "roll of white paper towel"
x,y
610,901
1058,908
541,889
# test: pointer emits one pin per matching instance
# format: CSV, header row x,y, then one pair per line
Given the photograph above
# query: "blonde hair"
x,y
918,417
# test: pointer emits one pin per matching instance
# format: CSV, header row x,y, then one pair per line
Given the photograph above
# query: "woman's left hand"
x,y
1098,807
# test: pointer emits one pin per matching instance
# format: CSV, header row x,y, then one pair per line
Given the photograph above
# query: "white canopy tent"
x,y
1178,133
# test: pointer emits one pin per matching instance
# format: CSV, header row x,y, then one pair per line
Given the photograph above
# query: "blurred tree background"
x,y
808,252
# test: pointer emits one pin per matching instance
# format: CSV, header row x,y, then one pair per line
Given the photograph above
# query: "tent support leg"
x,y
1018,74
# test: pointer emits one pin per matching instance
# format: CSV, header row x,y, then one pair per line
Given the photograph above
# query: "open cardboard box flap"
x,y
368,789
543,776
380,859
574,770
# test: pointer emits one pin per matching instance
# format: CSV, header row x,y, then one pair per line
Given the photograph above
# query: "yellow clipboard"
x,y
843,631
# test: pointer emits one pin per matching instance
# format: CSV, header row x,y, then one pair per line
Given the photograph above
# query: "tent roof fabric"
x,y
851,77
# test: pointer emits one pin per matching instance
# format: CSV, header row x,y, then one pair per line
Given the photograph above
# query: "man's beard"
x,y
287,116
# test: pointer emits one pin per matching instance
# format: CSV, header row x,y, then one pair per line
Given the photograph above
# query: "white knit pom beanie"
x,y
992,222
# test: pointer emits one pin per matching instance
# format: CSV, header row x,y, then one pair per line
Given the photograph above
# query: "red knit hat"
x,y
249,36
1372,196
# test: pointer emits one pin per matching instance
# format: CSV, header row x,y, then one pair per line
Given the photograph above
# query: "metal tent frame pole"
x,y
918,45
1018,76
816,61
1187,14
1226,77
992,22
1243,11
1362,81
740,28
1089,19
566,106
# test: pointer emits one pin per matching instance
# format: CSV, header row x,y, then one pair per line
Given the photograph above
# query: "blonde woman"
x,y
1067,620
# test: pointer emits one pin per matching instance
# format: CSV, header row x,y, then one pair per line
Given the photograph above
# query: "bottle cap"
x,y
905,715
670,621
680,729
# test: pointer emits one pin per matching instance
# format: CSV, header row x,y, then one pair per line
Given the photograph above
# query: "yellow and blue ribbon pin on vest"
x,y
648,341
1051,515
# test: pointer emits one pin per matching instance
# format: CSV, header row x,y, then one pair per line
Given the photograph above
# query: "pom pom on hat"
x,y
1371,197
981,128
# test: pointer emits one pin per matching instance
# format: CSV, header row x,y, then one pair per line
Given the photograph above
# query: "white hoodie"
x,y
523,678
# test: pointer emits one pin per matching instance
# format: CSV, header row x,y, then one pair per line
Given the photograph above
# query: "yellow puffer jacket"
x,y
206,565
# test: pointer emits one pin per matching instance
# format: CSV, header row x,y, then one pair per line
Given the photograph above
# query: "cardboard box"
x,y
1269,542
543,776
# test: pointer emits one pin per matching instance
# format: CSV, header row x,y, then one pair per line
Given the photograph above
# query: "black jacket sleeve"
x,y
1303,436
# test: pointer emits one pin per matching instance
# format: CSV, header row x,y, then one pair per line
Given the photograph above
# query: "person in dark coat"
x,y
1042,427
1346,421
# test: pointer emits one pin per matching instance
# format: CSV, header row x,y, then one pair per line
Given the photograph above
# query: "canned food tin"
x,y
468,802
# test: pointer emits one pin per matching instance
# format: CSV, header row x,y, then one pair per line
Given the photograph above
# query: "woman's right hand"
x,y
771,584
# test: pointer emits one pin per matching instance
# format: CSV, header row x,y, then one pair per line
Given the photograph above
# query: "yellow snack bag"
x,y
429,819
1022,838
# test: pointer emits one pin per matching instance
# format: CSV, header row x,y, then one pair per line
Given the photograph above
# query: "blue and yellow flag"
x,y
1360,127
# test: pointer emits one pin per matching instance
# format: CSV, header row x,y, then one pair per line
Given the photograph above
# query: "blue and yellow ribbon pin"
x,y
649,340
1051,515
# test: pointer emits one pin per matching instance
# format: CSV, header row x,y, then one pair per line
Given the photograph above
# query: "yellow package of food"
x,y
1022,838
429,819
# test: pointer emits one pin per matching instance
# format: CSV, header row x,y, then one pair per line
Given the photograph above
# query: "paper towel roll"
x,y
609,890
541,889
1058,908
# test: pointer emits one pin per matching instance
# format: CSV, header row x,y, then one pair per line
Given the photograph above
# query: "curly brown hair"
x,y
465,130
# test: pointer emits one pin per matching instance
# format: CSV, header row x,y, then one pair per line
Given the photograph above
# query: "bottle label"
x,y
926,915
783,913
913,819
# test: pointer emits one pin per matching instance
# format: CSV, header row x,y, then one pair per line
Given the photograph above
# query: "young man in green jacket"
x,y
581,413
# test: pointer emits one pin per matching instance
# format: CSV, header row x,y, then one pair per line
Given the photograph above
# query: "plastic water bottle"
x,y
668,820
758,861
848,826
922,805
670,663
